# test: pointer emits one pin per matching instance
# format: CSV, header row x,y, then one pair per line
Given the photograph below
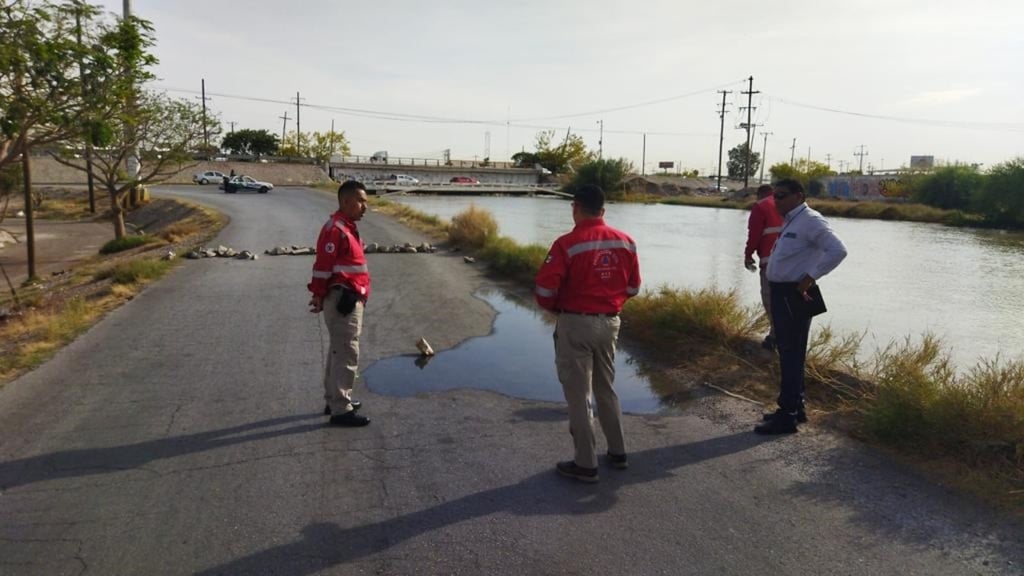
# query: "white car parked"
x,y
207,177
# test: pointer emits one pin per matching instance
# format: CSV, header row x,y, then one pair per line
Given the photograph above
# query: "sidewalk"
x,y
59,245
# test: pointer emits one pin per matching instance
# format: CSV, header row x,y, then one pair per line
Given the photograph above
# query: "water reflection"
x,y
517,358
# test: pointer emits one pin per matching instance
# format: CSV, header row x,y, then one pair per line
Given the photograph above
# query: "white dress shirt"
x,y
806,246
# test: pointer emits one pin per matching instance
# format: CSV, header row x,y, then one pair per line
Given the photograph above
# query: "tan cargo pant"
x,y
585,360
343,356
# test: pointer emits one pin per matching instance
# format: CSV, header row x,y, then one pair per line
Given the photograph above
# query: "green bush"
x,y
126,243
131,272
513,260
949,187
1001,198
607,174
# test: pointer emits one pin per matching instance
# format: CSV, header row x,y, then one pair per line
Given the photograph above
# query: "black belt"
x,y
603,314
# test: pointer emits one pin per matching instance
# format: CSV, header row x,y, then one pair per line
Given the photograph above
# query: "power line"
x,y
1002,127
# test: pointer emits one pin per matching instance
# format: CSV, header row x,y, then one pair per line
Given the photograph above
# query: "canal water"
x,y
900,279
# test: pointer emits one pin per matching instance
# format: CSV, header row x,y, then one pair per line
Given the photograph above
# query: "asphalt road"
x,y
183,435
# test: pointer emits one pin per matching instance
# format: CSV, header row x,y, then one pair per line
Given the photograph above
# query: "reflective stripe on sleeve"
x,y
349,269
772,230
600,245
632,291
545,293
318,274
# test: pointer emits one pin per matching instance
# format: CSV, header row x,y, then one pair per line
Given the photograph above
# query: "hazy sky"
x,y
900,77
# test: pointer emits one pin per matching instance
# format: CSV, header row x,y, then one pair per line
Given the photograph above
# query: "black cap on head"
x,y
590,199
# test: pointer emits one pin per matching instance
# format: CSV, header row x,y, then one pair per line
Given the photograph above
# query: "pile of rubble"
x,y
291,251
220,252
407,248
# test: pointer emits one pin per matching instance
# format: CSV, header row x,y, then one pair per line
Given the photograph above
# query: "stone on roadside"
x,y
193,255
371,248
468,259
169,255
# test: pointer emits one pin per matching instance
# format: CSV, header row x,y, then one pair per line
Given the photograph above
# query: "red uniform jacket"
x,y
592,269
339,259
763,228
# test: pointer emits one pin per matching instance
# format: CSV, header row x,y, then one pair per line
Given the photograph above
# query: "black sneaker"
x,y
349,419
782,424
801,415
617,461
569,469
356,405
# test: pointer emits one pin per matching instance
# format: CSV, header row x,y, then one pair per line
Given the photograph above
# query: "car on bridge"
x,y
464,180
207,177
399,180
246,183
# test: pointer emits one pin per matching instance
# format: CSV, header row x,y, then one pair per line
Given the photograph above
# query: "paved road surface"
x,y
183,435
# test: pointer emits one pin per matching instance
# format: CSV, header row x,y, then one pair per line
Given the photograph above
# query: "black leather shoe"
x,y
617,461
569,469
782,424
356,405
349,419
801,416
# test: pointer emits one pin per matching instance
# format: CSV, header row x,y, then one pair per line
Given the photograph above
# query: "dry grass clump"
x,y
472,227
671,314
512,260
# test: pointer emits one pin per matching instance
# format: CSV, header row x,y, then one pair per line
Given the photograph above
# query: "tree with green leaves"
x,y
1001,197
738,160
164,132
949,187
317,145
564,156
248,142
608,174
810,174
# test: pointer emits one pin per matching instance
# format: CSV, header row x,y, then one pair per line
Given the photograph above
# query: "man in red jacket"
x,y
587,276
341,287
763,228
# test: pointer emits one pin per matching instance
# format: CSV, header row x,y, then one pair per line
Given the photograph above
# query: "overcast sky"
x,y
899,77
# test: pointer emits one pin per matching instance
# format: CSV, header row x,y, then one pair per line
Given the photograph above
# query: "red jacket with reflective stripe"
x,y
594,268
763,228
340,259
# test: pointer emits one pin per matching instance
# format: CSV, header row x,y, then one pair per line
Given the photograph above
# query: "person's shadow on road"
x,y
327,544
93,461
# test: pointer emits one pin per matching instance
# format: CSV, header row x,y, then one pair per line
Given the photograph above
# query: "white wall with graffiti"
x,y
866,187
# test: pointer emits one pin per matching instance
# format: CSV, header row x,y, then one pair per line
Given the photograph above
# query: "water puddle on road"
x,y
517,359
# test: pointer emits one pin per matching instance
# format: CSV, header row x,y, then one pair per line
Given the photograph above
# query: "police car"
x,y
246,183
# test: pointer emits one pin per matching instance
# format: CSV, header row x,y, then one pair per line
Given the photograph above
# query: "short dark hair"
x,y
790,185
764,190
350,187
590,199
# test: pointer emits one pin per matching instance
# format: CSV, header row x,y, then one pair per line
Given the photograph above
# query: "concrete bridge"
x,y
382,189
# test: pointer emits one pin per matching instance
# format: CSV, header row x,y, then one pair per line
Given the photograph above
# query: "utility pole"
x,y
828,159
298,126
206,133
862,154
284,126
331,152
643,158
88,143
808,158
232,126
721,136
764,156
792,154
750,95
600,140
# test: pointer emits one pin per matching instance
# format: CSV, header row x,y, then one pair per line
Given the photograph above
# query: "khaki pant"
x,y
585,359
343,356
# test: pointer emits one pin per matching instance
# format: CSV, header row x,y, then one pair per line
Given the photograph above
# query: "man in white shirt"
x,y
806,250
